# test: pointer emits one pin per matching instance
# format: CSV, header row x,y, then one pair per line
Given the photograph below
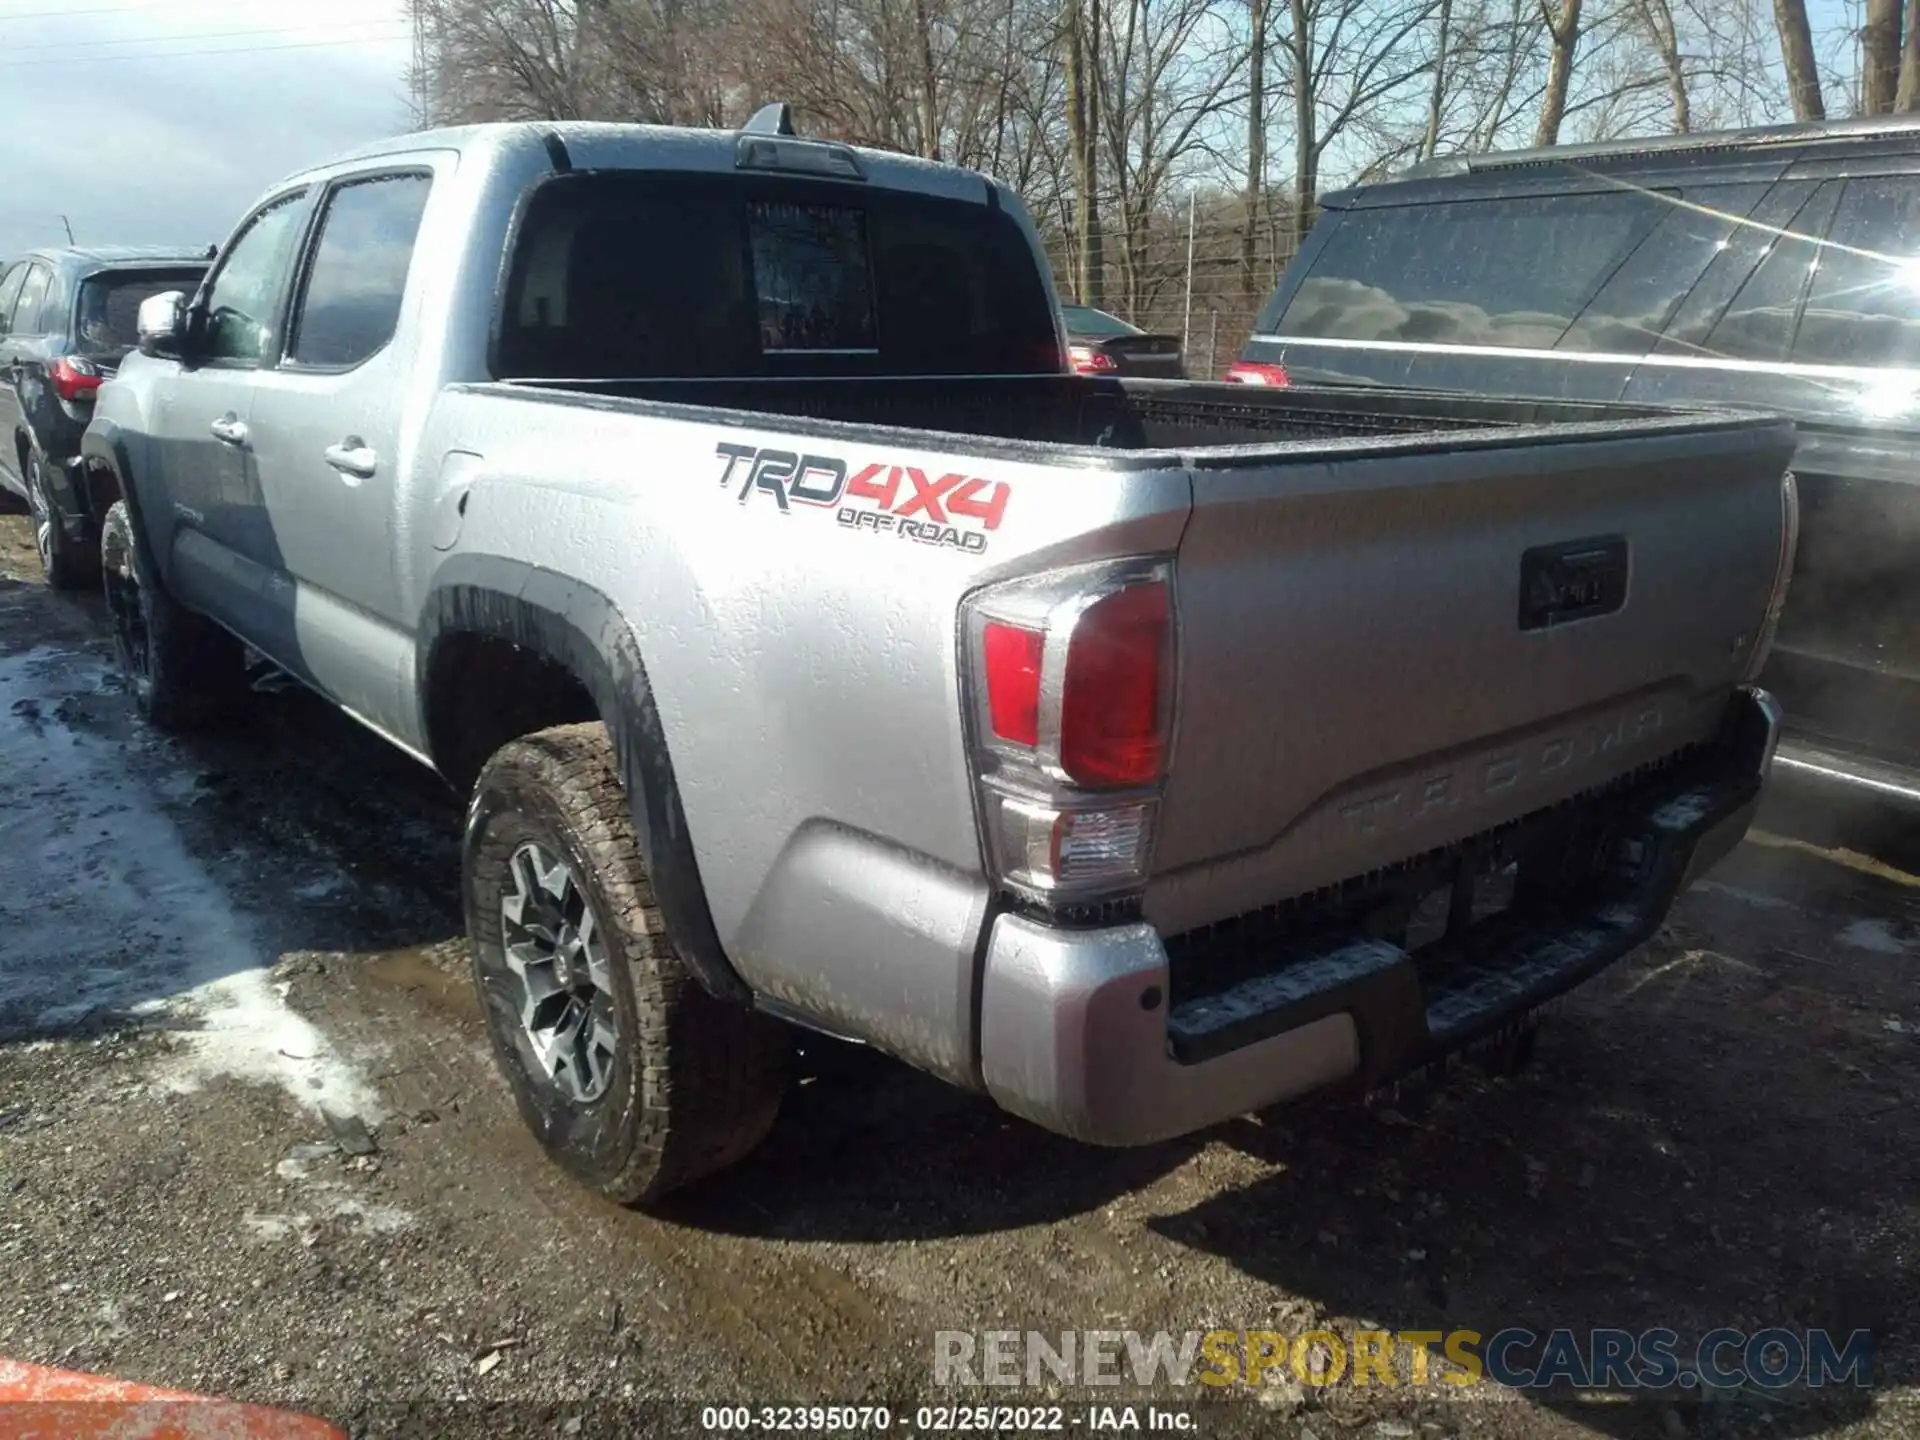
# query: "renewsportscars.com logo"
x,y
954,511
1516,1358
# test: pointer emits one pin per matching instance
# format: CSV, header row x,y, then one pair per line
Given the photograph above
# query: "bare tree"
x,y
1796,53
1346,59
1082,41
1437,96
1256,139
1165,74
1907,100
1564,30
1880,56
1656,19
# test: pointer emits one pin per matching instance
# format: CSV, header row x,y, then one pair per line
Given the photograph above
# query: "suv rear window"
x,y
1508,271
647,274
110,304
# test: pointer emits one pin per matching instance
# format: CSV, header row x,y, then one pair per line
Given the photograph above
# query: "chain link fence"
x,y
1197,271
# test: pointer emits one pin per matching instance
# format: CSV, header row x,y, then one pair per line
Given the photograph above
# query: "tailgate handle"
x,y
1572,580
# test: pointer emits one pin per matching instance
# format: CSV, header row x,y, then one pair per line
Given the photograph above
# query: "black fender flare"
x,y
105,443
580,629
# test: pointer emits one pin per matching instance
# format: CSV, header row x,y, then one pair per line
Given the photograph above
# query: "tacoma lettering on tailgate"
x,y
955,510
1497,774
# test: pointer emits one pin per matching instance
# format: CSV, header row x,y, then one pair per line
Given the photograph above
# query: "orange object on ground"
x,y
41,1404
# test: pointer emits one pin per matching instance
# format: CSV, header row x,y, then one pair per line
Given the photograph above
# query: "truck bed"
x,y
1359,576
1069,411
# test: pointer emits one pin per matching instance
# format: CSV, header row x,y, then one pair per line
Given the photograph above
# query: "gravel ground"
x,y
228,964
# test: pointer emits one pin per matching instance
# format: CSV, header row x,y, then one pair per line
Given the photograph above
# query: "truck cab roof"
x,y
586,145
99,257
1777,146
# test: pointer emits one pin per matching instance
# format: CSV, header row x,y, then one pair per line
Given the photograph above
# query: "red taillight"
x,y
1112,719
1089,361
1071,677
72,379
1257,372
1012,658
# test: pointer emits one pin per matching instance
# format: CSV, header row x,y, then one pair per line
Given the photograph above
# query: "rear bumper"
x,y
1088,1033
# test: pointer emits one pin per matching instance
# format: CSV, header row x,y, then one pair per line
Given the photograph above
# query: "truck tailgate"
x,y
1386,652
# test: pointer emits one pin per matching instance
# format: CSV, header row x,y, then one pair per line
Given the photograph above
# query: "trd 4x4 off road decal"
x,y
950,510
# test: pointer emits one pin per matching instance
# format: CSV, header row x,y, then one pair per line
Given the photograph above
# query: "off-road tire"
x,y
66,563
695,1082
183,670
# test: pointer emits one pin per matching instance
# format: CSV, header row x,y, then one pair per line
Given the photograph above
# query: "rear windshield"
x,y
661,274
1509,271
1082,321
110,304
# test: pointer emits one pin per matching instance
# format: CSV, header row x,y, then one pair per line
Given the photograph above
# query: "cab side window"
x,y
350,305
33,300
1864,307
10,283
239,304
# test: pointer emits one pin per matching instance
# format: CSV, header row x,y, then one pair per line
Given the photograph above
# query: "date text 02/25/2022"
x,y
944,1419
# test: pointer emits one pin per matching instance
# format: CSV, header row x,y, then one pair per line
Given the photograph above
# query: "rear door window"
x,y
1759,323
1637,301
1789,221
10,283
1863,307
1508,271
350,304
662,274
33,300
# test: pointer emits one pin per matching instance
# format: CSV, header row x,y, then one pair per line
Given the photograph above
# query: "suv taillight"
x,y
73,378
1071,679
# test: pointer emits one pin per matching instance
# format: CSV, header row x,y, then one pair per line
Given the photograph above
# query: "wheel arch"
x,y
550,620
109,477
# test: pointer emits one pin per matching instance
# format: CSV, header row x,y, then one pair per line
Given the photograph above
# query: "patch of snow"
x,y
324,1200
1874,935
378,1218
270,1227
247,1031
106,911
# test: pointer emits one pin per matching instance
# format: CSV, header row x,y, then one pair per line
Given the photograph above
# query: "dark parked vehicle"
x,y
67,319
1103,344
1772,269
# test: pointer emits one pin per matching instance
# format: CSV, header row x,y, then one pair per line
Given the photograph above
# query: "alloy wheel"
x,y
554,948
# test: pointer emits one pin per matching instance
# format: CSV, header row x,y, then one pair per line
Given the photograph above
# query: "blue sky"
x,y
138,135
119,120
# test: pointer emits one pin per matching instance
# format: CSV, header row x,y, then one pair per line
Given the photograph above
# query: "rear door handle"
x,y
229,430
353,457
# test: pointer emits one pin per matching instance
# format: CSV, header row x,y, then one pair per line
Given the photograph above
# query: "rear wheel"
x,y
631,1075
184,671
67,564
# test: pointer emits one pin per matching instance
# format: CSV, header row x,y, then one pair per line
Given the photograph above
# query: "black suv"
x,y
1773,269
66,321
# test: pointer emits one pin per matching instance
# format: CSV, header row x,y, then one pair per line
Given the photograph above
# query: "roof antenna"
x,y
69,224
774,119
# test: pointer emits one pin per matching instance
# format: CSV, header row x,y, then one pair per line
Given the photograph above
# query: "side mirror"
x,y
161,324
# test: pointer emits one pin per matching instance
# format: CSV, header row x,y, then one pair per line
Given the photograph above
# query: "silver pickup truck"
x,y
717,511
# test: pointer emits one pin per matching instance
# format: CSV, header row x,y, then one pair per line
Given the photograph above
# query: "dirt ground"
x,y
204,945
